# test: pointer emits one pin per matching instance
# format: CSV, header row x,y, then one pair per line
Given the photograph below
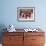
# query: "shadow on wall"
x,y
2,26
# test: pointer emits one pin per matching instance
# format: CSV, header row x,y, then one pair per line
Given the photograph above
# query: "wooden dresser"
x,y
23,39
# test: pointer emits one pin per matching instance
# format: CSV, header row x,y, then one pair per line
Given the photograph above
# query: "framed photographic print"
x,y
26,13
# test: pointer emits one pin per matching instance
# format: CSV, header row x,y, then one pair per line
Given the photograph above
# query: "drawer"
x,y
37,44
8,45
13,33
12,39
12,44
34,33
37,39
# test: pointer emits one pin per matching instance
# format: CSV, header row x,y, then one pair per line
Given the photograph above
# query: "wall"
x,y
8,13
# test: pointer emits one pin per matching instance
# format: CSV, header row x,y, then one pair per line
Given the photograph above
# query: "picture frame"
x,y
26,14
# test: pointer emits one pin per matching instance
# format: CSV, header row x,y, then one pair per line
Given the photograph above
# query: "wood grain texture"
x,y
23,39
34,39
13,39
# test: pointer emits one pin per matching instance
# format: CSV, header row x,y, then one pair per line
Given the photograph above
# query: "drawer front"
x,y
12,44
13,33
37,45
12,39
34,33
37,39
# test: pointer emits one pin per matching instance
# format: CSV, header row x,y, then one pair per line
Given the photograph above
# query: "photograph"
x,y
26,13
